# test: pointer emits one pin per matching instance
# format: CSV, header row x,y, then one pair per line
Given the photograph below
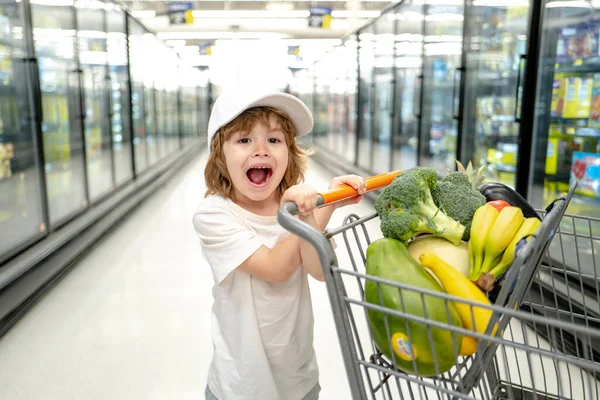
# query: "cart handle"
x,y
344,192
286,218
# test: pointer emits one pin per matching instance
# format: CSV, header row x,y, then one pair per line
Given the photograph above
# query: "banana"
x,y
483,219
468,346
473,318
529,227
500,235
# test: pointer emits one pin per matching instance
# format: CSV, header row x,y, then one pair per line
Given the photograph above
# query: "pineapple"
x,y
476,177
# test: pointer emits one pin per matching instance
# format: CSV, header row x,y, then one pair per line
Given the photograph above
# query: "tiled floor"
x,y
131,321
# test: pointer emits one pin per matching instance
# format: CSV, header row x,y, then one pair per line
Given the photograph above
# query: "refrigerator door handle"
x,y
519,89
459,72
76,90
418,114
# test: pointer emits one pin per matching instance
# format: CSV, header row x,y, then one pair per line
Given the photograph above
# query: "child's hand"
x,y
303,195
357,182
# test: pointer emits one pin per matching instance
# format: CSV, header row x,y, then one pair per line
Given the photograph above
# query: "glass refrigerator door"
x,y
136,61
151,126
407,103
321,101
349,143
566,149
93,60
119,97
54,40
441,79
496,39
567,128
160,100
366,56
21,214
383,94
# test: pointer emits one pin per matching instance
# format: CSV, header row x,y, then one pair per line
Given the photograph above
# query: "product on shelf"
x,y
495,115
558,95
595,103
585,169
578,96
577,42
6,154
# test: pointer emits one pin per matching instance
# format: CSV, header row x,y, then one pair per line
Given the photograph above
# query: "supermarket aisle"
x,y
131,321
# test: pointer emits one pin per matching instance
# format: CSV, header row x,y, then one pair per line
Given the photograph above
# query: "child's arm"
x,y
280,263
277,264
323,214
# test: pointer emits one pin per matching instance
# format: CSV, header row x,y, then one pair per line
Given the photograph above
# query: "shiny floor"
x,y
131,321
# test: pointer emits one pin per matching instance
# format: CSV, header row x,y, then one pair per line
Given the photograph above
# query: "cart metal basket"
x,y
538,351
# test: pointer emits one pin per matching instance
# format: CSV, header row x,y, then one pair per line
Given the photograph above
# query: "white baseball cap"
x,y
232,103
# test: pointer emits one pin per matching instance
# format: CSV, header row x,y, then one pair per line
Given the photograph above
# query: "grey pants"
x,y
312,395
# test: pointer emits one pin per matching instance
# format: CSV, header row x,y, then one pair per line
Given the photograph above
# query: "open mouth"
x,y
259,176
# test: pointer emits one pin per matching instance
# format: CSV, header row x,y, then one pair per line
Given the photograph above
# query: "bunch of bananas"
x,y
494,238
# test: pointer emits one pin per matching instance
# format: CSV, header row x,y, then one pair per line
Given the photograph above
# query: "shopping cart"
x,y
538,351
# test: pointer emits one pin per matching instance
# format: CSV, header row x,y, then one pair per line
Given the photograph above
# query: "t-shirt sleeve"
x,y
226,241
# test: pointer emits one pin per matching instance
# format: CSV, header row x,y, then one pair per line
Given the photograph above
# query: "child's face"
x,y
256,161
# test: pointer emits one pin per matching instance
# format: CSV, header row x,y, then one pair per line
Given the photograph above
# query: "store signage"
x,y
180,13
320,17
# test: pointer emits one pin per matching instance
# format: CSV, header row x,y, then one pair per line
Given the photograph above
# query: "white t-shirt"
x,y
262,332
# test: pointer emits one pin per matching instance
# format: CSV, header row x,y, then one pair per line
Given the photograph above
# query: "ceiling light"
x,y
307,1
572,4
439,2
501,3
445,17
188,50
250,13
280,6
220,35
56,3
176,43
144,14
410,16
359,14
313,42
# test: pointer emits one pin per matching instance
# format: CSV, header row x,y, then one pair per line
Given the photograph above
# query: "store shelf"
x,y
580,65
561,120
496,78
503,118
578,127
497,136
15,44
504,167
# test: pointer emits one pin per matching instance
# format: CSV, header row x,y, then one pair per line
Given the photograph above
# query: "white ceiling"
x,y
216,19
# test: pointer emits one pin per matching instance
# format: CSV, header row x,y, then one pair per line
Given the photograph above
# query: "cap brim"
x,y
295,109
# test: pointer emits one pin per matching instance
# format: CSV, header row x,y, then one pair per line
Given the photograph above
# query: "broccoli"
x,y
406,208
456,196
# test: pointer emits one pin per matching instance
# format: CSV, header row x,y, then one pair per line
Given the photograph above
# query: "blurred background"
x,y
102,103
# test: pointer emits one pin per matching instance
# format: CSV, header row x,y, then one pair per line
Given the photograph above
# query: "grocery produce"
x,y
476,177
457,256
468,346
498,204
473,318
482,222
499,191
410,340
498,237
406,208
529,227
453,234
458,199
